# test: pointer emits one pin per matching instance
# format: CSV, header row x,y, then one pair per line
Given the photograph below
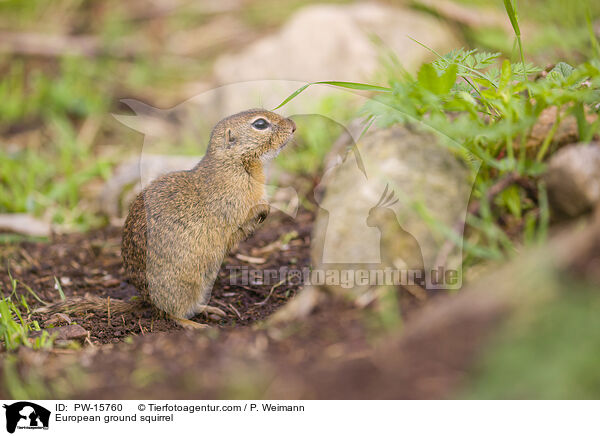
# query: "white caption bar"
x,y
300,417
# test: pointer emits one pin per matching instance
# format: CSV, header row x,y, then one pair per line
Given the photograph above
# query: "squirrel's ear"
x,y
229,138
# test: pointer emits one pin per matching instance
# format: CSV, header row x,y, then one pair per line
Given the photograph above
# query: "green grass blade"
x,y
13,283
347,85
31,291
515,25
425,47
512,16
370,122
355,85
59,288
292,95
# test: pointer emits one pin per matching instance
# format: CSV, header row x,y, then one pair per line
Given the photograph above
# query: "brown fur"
x,y
181,226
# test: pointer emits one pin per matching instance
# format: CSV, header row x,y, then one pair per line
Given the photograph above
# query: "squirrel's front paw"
x,y
260,212
261,217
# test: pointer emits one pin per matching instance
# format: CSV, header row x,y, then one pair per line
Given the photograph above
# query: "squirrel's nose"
x,y
293,125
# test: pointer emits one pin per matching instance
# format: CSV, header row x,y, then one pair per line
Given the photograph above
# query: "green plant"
x,y
53,110
483,108
47,175
15,323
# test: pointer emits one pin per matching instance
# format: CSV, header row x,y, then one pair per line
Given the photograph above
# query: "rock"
x,y
207,39
69,332
566,133
66,333
369,218
24,224
573,179
335,42
326,42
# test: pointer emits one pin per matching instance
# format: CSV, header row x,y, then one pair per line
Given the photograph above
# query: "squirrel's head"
x,y
252,134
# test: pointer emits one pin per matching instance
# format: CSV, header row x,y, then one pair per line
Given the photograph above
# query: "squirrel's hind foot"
x,y
187,324
211,309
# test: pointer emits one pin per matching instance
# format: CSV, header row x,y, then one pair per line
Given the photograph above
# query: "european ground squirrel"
x,y
182,225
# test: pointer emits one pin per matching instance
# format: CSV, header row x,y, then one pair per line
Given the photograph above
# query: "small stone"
x,y
336,41
566,133
573,179
69,332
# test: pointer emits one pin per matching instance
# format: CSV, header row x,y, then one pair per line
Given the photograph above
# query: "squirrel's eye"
x,y
260,124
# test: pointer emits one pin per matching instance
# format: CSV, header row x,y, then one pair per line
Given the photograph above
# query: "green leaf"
x,y
354,85
58,286
292,95
515,24
512,199
505,75
448,79
563,69
583,126
512,16
430,80
427,77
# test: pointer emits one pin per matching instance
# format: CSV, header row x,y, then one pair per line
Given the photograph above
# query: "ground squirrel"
x,y
182,225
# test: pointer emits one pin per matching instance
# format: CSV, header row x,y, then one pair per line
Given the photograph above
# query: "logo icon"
x,y
26,415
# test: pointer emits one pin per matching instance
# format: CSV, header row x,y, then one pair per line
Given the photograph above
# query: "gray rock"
x,y
335,42
325,42
65,333
573,179
432,188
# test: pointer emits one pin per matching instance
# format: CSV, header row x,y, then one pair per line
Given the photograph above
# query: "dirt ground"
x,y
338,351
90,264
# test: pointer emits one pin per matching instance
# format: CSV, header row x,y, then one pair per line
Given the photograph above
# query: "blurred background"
x,y
512,89
66,65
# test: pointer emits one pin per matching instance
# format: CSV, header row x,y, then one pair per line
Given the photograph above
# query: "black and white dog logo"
x,y
26,415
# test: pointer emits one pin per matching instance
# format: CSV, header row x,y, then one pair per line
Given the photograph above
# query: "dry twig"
x,y
275,286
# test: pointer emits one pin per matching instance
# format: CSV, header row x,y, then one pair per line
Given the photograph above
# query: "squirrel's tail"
x,y
89,303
